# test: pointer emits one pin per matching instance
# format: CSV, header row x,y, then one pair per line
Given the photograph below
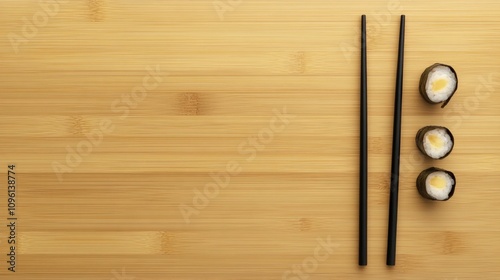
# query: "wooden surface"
x,y
130,205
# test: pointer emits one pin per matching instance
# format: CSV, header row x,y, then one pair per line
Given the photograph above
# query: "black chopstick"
x,y
396,148
363,154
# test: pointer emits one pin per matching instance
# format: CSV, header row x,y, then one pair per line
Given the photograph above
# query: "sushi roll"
x,y
438,83
436,184
435,142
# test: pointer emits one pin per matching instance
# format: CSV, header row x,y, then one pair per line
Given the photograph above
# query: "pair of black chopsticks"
x,y
396,147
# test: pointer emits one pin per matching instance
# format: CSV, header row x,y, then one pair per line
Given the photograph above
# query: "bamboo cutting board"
x,y
219,139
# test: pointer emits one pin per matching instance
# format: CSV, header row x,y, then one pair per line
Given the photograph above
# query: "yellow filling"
x,y
438,85
435,141
438,182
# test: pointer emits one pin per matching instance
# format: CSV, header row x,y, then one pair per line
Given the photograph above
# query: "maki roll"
x,y
436,184
438,83
435,142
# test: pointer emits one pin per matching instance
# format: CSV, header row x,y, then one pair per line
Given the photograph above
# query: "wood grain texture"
x,y
219,139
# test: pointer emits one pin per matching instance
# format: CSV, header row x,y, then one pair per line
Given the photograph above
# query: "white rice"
x,y
442,136
437,73
438,192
